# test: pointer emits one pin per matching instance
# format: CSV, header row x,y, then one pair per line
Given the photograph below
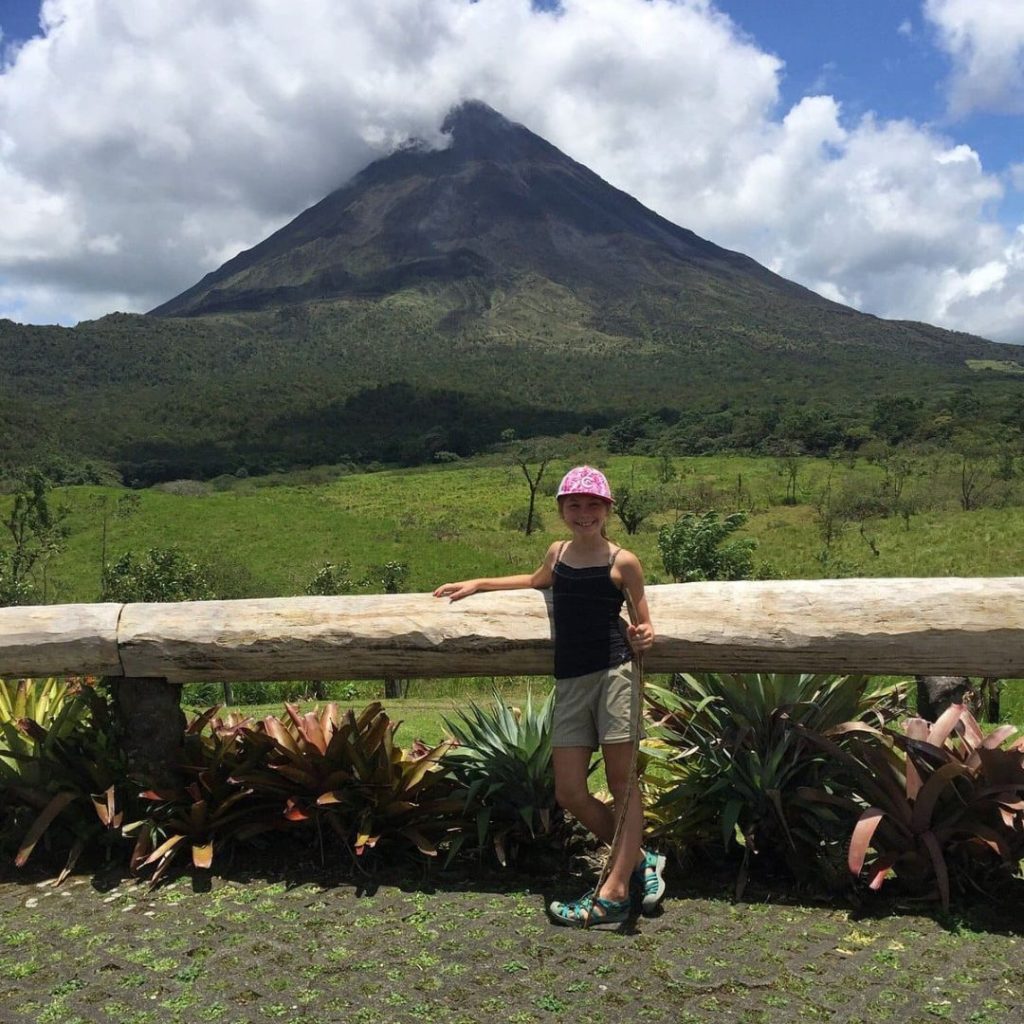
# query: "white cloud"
x,y
985,39
143,143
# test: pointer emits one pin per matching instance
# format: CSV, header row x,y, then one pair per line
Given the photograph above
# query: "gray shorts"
x,y
594,709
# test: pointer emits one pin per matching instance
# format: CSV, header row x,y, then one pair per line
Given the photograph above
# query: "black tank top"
x,y
588,628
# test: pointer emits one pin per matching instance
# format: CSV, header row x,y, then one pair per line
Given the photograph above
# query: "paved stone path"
x,y
313,951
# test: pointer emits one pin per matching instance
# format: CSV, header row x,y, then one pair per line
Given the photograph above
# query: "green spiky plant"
x,y
728,766
502,759
63,776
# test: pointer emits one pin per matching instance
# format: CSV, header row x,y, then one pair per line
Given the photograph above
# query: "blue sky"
x,y
19,19
880,56
869,149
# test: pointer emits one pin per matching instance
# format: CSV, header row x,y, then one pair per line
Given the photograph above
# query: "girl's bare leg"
x,y
618,758
570,765
571,792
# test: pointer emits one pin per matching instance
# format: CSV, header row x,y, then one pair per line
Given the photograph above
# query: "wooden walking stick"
x,y
636,718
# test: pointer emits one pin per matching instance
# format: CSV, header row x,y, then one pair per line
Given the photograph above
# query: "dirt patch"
x,y
318,949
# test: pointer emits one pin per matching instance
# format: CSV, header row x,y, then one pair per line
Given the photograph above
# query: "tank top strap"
x,y
558,554
613,556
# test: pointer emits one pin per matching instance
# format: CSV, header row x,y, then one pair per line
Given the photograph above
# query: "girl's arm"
x,y
540,579
631,578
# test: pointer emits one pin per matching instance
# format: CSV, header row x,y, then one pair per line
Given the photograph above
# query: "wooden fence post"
x,y
152,723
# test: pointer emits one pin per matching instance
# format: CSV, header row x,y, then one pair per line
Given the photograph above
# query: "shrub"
x,y
390,577
692,548
330,579
161,574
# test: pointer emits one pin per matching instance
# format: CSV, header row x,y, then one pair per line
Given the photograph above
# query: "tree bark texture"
x,y
152,724
936,693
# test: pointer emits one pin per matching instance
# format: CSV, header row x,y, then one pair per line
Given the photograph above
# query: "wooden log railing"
x,y
920,626
880,626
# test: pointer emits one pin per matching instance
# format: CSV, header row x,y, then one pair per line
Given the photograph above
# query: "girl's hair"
x,y
561,499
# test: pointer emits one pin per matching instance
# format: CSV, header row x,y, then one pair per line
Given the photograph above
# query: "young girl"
x,y
593,688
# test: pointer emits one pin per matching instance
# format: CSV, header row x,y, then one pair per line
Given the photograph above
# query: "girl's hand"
x,y
640,637
457,591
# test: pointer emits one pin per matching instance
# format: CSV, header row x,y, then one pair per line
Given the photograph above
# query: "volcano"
x,y
498,205
446,295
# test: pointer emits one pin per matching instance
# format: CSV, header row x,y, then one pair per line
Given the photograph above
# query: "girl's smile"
x,y
584,513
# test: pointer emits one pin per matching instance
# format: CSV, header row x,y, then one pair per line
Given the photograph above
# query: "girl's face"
x,y
584,514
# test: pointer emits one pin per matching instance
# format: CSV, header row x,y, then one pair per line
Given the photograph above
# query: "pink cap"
x,y
586,480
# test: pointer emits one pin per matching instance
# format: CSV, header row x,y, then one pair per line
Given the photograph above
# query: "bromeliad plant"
x,y
345,771
941,806
502,760
727,763
62,774
211,811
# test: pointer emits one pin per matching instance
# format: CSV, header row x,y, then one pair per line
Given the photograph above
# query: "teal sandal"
x,y
647,882
603,913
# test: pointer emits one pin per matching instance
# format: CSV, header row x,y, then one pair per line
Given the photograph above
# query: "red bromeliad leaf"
x,y
422,843
199,722
293,812
365,842
1002,767
914,780
418,749
296,773
992,839
164,848
996,737
41,824
309,728
917,728
202,854
337,779
944,724
141,850
971,730
924,807
879,870
860,841
499,849
106,808
76,851
32,729
939,863
165,796
429,761
276,731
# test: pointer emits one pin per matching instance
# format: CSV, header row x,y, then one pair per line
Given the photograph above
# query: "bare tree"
x,y
533,459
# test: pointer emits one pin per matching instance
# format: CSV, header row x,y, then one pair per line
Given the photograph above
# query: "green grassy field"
x,y
268,537
450,522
